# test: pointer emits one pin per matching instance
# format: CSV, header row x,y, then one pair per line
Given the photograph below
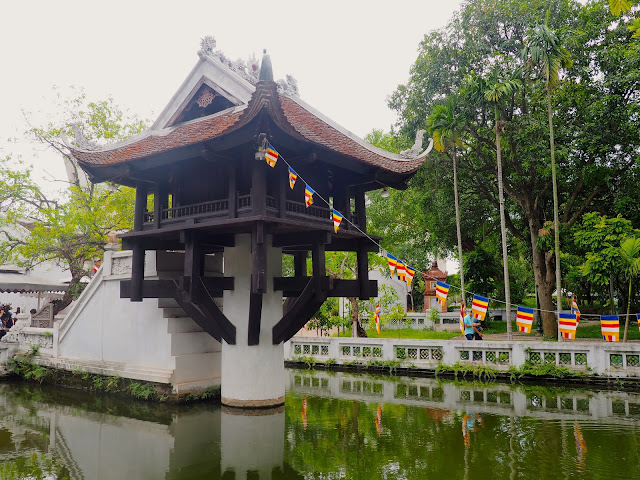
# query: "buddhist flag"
x,y
410,273
271,156
462,315
379,420
401,271
638,318
442,290
308,195
479,307
293,176
610,326
378,318
337,219
574,308
581,445
524,319
393,261
568,325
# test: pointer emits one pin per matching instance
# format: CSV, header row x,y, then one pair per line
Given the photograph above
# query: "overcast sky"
x,y
347,55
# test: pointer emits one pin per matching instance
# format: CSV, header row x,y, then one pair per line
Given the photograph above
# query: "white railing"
x,y
619,360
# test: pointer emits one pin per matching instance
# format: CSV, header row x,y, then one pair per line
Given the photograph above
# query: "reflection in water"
x,y
333,426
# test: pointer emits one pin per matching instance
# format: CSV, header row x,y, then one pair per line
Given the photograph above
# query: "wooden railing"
x,y
220,208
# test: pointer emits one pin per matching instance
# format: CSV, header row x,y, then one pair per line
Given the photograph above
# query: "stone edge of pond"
x,y
23,368
485,374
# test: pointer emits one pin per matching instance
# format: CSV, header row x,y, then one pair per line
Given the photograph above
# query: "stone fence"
x,y
609,359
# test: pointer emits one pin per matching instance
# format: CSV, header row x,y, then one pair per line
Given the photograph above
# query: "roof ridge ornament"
x,y
414,152
288,86
266,70
246,69
83,142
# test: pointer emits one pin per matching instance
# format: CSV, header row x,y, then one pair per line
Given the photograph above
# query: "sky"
x,y
348,56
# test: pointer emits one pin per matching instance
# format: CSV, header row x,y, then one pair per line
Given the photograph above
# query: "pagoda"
x,y
431,277
202,163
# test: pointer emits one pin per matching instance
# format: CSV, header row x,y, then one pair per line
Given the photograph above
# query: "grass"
x,y
592,330
410,333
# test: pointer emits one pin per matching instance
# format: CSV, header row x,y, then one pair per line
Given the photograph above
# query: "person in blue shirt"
x,y
470,327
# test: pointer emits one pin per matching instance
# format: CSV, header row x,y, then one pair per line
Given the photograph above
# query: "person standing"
x,y
470,327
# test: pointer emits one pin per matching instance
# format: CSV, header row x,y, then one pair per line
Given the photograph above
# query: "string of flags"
x,y
568,322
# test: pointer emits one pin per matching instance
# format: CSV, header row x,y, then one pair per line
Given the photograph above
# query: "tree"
x,y
445,124
597,128
544,49
630,253
495,91
70,227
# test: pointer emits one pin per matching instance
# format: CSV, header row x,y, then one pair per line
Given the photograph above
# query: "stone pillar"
x,y
252,376
251,441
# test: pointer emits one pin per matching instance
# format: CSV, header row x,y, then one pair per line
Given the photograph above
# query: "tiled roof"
x,y
298,117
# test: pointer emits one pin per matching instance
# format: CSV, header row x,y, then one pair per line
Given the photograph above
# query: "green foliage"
x,y
142,391
71,227
98,382
36,466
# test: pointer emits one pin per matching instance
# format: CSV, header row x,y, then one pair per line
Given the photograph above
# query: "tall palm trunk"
x,y
556,222
503,229
455,196
626,320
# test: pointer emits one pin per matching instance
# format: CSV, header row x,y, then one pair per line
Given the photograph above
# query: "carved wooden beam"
x,y
293,286
255,317
300,312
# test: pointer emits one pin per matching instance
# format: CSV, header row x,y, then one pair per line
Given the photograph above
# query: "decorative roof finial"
x,y
266,71
207,44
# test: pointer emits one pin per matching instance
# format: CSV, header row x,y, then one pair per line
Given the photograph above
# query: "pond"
x,y
333,426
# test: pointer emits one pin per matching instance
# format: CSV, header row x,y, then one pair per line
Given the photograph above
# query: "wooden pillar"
x,y
259,259
300,264
259,188
233,190
341,203
318,262
361,211
160,202
363,269
282,195
137,260
193,263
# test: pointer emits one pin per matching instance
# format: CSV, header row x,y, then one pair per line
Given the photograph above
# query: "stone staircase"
x,y
197,355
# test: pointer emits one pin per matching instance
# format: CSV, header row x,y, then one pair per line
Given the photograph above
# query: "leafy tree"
x,y
446,125
630,253
70,227
544,49
596,110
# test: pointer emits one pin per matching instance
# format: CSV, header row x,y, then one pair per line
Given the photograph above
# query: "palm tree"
x,y
445,125
494,90
543,48
630,253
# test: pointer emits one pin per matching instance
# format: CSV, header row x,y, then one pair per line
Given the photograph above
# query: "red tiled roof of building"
x,y
294,116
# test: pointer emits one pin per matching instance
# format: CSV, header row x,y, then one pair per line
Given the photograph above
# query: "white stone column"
x,y
252,376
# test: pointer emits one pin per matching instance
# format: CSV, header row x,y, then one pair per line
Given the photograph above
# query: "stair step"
x,y
167,303
182,325
173,313
193,343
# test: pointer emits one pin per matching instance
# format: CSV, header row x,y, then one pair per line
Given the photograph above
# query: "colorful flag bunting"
x,y
442,290
524,319
308,195
638,318
378,318
271,156
393,261
410,273
293,176
401,271
574,308
337,219
462,315
479,307
610,326
568,325
581,445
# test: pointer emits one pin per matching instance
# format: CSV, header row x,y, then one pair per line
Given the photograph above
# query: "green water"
x,y
333,426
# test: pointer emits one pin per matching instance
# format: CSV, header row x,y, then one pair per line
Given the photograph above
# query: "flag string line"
x,y
424,274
